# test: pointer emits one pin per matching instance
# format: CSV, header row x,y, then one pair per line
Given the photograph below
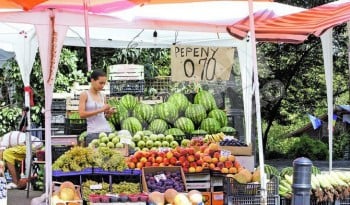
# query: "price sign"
x,y
196,63
96,186
225,153
164,149
125,140
228,137
159,177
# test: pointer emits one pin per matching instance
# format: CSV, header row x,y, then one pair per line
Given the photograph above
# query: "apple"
x,y
169,138
139,133
145,149
165,144
136,138
102,144
161,137
153,137
137,149
149,144
111,136
141,144
115,140
157,143
173,144
145,138
95,142
102,134
110,144
132,144
119,145
185,142
104,139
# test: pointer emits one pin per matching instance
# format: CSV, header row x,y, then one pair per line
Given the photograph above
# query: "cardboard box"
x,y
239,151
152,170
206,198
217,198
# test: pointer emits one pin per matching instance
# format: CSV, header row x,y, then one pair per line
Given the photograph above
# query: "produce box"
x,y
154,170
57,201
217,198
206,198
239,150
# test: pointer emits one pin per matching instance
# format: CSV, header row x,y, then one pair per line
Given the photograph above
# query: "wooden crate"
x,y
126,72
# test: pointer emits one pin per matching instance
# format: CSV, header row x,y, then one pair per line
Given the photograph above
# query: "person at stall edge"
x,y
94,108
13,149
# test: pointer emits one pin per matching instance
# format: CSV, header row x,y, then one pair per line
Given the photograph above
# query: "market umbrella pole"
x,y
87,35
257,105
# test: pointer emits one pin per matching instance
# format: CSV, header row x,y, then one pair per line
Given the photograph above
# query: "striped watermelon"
x,y
168,112
158,126
196,113
174,132
180,101
219,115
132,124
206,99
199,132
143,112
185,124
211,125
128,101
228,129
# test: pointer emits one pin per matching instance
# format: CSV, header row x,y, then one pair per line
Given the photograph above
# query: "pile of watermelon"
x,y
176,116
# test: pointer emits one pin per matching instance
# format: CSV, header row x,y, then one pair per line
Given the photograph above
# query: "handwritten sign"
x,y
196,63
96,186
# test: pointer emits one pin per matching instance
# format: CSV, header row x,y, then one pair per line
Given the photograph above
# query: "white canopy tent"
x,y
195,26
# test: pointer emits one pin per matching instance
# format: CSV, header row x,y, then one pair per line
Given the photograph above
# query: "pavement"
x,y
19,197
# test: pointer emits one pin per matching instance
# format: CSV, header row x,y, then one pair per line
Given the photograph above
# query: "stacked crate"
x,y
58,114
126,79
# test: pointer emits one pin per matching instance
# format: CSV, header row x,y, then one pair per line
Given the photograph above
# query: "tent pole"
x,y
257,105
87,35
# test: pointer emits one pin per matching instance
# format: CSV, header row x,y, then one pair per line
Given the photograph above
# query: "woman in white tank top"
x,y
93,107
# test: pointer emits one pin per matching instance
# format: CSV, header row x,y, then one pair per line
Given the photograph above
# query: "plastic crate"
x,y
58,116
57,128
121,87
58,150
234,188
58,104
251,200
74,126
160,83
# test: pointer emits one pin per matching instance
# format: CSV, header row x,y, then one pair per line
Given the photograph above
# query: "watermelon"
x,y
185,124
174,132
206,99
167,111
128,101
158,126
118,116
199,132
143,112
132,124
219,115
228,129
180,101
196,113
211,125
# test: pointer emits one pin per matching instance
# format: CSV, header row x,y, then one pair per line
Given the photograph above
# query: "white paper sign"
x,y
125,140
95,186
225,153
159,177
197,63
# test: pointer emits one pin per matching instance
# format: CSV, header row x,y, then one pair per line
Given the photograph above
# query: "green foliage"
x,y
307,147
341,143
9,117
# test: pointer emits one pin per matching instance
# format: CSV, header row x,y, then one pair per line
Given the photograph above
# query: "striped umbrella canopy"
x,y
296,27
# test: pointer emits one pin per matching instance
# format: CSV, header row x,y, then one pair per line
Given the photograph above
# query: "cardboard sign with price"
x,y
196,63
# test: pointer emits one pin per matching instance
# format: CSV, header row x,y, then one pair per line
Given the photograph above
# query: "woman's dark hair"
x,y
96,74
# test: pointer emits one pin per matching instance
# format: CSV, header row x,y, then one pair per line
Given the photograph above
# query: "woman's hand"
x,y
110,111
